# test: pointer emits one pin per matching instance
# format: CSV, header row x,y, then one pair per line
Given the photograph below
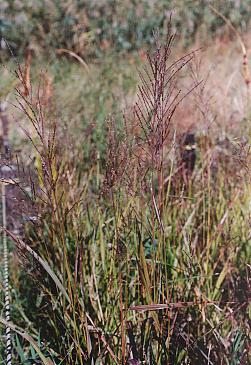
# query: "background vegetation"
x,y
88,27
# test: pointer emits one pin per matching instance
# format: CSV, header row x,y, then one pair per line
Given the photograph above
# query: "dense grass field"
x,y
134,246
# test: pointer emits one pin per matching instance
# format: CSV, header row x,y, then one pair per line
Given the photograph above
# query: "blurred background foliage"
x,y
88,27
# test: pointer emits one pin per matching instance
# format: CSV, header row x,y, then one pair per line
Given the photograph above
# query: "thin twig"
x,y
6,281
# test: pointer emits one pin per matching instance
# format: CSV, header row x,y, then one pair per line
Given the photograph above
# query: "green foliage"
x,y
237,348
87,27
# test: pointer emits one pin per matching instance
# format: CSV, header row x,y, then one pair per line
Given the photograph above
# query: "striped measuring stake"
x,y
6,280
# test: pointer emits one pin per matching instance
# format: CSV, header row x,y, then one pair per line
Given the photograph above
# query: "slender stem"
x,y
6,281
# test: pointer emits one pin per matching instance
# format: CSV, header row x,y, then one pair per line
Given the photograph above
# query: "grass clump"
x,y
134,259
